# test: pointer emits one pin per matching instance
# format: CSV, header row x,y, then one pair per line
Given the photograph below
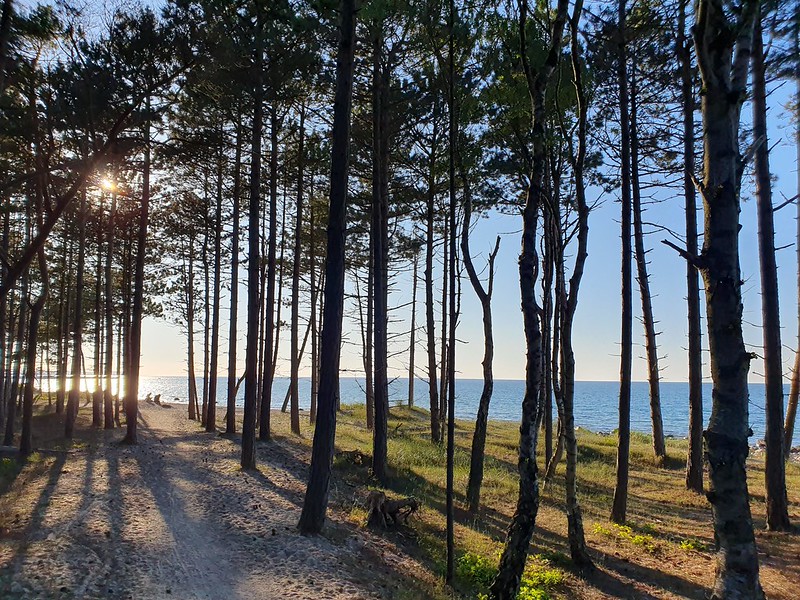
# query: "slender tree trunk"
x,y
724,78
190,336
211,417
430,325
619,506
794,392
313,316
97,394
230,415
694,458
206,311
477,453
452,134
515,551
77,325
298,251
5,34
269,322
108,395
251,352
569,304
445,347
412,344
132,380
369,364
4,309
775,467
379,232
648,320
315,503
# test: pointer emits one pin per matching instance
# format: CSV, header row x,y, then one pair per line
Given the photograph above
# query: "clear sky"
x,y
598,319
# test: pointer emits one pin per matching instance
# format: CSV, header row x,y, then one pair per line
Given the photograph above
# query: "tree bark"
x,y
430,324
269,322
477,454
315,502
77,325
211,416
694,458
640,254
251,351
620,502
108,395
515,551
135,343
380,248
412,343
230,416
298,251
723,54
794,392
774,467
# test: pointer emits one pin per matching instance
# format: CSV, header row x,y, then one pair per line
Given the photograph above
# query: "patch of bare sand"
x,y
175,517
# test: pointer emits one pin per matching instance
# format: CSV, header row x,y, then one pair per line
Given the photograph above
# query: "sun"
x,y
107,184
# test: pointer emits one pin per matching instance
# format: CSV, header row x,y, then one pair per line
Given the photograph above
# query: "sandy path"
x,y
174,517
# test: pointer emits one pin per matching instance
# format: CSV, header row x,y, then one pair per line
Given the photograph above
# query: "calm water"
x,y
595,401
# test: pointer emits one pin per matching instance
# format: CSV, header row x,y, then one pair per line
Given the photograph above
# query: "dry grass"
x,y
666,550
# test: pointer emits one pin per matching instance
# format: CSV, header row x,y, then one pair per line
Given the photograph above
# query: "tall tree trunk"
x,y
412,343
430,324
775,467
251,351
619,506
724,78
269,322
193,400
369,364
230,415
445,346
298,252
640,253
794,392
515,551
97,394
315,503
380,236
452,135
135,344
6,211
211,417
108,395
694,458
5,34
568,301
77,325
206,311
313,316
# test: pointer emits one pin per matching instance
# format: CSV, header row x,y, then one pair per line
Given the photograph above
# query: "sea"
x,y
595,401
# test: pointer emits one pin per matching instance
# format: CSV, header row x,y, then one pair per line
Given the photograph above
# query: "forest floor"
x,y
175,517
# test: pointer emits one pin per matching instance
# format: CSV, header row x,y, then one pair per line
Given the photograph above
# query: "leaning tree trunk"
x,y
774,467
648,320
723,53
477,454
515,551
315,503
694,458
620,502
